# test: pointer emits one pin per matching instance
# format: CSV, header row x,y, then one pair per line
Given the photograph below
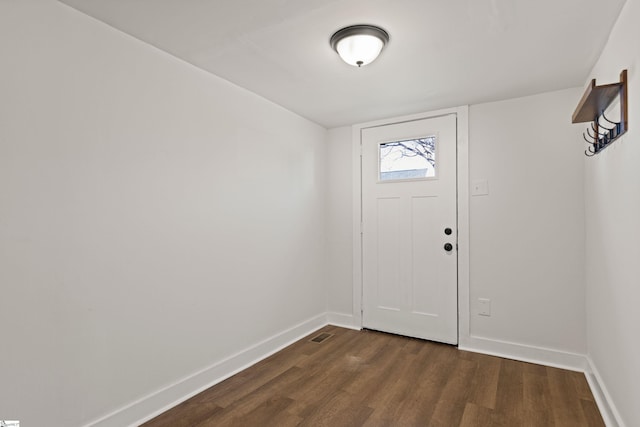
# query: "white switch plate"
x,y
479,187
484,306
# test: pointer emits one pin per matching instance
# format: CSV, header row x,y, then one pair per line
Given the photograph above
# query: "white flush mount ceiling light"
x,y
359,45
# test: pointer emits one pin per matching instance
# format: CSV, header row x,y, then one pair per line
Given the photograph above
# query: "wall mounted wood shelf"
x,y
592,107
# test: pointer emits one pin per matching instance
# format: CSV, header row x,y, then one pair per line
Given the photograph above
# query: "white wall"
x,y
154,219
527,235
612,181
339,224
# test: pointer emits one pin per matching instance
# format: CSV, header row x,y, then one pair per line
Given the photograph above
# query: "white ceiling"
x,y
442,53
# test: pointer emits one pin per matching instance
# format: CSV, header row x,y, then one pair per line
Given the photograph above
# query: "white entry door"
x,y
409,231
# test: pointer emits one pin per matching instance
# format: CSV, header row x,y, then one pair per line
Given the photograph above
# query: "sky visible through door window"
x,y
408,159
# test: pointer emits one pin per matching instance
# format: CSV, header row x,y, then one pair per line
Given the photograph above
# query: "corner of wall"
x,y
608,410
525,353
342,320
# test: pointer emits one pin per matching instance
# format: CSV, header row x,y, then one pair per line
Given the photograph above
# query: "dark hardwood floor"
x,y
374,379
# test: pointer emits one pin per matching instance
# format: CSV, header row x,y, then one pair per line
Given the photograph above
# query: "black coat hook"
x,y
596,130
585,138
605,117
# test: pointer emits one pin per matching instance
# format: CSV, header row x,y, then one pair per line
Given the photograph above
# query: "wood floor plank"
x,y
592,413
272,411
396,385
454,396
256,398
417,408
476,416
510,397
484,387
336,411
388,362
239,385
536,404
185,414
566,403
534,397
581,385
368,378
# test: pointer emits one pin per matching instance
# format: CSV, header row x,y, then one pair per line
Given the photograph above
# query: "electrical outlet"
x,y
484,306
479,187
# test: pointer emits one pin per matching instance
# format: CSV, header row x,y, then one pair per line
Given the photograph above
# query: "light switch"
x,y
479,187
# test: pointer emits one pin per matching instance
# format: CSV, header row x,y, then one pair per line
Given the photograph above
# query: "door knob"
x,y
448,247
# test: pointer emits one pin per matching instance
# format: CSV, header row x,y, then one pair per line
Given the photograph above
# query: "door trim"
x,y
462,199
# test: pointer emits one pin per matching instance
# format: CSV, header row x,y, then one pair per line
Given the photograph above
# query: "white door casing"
x,y
409,280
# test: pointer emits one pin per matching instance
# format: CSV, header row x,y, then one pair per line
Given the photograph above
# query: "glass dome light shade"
x,y
359,50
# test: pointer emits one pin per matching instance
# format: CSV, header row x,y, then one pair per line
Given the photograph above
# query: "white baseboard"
x,y
553,358
342,320
525,353
608,409
161,400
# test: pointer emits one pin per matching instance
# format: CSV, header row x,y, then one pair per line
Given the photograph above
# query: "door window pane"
x,y
409,159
